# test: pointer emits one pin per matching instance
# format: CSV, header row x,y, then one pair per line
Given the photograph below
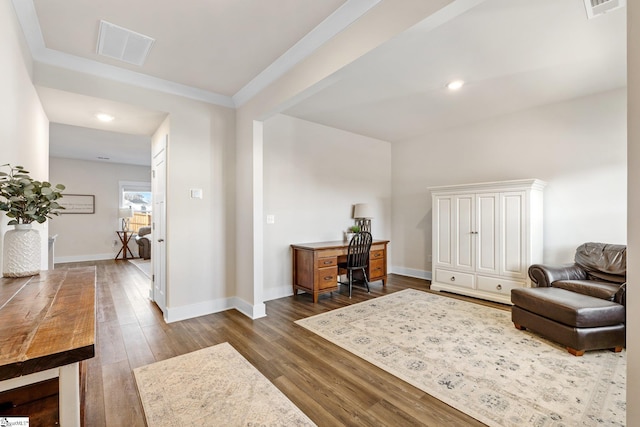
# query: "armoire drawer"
x,y
455,278
496,285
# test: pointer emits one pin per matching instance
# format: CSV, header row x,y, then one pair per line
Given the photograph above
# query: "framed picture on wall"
x,y
77,203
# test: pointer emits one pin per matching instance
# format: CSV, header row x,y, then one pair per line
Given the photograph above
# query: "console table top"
x,y
47,321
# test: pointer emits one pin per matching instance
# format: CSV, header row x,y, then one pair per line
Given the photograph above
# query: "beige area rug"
x,y
471,357
214,386
143,264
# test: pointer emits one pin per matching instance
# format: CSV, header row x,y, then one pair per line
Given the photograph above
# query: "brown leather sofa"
x,y
143,239
580,305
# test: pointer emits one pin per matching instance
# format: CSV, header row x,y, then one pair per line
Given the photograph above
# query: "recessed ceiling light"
x,y
455,85
104,117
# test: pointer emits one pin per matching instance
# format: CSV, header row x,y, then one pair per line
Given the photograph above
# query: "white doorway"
x,y
158,245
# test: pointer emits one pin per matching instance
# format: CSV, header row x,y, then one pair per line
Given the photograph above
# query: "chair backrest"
x,y
358,252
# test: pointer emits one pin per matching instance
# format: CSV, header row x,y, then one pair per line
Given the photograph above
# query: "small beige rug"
x,y
472,357
214,386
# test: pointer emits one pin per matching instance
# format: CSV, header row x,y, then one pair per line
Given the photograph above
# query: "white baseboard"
x,y
184,312
176,314
275,293
411,272
82,258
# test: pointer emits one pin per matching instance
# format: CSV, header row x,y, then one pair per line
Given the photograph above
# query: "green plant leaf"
x,y
25,199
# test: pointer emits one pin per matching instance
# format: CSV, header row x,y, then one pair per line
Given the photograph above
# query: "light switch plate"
x,y
196,193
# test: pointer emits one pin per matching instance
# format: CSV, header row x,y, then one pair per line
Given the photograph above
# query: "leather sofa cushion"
x,y
603,261
569,308
144,231
593,288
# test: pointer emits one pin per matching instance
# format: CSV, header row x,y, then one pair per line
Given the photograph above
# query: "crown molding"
x,y
26,12
335,23
344,16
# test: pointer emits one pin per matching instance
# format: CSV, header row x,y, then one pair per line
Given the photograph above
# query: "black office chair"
x,y
357,258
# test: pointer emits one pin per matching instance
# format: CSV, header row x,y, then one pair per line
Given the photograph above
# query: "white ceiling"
x,y
513,54
83,143
217,46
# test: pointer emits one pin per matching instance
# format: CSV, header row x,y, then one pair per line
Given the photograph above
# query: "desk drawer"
x,y
376,255
327,277
326,262
377,270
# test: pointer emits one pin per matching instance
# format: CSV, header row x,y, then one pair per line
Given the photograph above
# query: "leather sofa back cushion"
x,y
603,261
144,230
592,288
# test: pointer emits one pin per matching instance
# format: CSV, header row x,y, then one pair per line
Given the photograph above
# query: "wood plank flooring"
x,y
332,386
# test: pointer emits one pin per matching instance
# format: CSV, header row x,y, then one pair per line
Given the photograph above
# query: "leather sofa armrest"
x,y
544,275
621,296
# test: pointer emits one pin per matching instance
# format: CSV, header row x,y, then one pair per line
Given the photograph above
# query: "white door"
x,y
159,185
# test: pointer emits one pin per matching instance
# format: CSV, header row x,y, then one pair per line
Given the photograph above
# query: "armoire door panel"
x,y
488,232
513,234
444,232
464,221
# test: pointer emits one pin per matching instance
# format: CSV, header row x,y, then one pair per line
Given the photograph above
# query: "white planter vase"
x,y
21,252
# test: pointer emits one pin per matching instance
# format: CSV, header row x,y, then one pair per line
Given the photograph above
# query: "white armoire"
x,y
485,237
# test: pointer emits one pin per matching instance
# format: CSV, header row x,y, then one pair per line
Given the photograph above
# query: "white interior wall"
x,y
578,147
200,244
24,127
313,175
87,237
374,28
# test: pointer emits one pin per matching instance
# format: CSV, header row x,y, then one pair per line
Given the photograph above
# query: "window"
x,y
137,195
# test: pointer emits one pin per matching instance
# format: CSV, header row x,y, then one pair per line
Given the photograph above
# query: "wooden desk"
x,y
47,326
315,265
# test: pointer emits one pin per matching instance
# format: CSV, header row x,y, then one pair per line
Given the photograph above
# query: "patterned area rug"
x,y
214,386
472,357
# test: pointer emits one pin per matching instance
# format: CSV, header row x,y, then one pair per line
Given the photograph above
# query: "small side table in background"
x,y
124,237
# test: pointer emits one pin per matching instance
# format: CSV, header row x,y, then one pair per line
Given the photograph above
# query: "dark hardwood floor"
x,y
332,386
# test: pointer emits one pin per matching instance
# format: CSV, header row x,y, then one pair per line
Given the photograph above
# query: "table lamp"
x,y
126,214
363,213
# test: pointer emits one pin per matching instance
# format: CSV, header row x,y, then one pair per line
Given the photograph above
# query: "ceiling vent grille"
x,y
125,45
600,7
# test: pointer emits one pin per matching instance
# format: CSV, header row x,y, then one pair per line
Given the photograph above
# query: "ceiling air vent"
x,y
600,7
125,45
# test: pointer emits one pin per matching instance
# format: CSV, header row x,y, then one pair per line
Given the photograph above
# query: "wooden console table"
x,y
47,326
315,265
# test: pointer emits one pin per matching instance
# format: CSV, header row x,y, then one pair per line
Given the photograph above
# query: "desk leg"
x,y
69,397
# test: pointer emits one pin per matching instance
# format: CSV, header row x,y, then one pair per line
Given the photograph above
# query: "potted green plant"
x,y
348,235
25,200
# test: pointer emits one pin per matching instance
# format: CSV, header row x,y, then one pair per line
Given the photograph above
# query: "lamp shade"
x,y
125,212
362,210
